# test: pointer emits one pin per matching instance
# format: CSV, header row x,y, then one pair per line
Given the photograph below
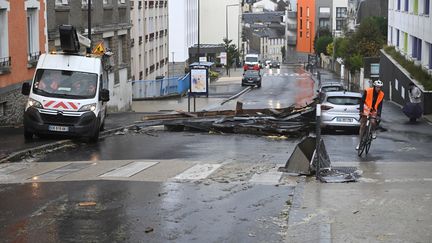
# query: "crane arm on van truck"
x,y
67,95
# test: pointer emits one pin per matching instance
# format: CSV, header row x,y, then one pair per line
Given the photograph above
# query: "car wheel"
x,y
259,85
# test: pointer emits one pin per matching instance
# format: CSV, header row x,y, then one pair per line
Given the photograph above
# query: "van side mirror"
x,y
25,90
104,95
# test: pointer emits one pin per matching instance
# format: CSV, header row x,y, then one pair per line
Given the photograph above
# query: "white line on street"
x,y
129,169
198,172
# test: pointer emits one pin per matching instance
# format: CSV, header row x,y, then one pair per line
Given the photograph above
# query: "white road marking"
x,y
129,169
198,172
62,171
12,168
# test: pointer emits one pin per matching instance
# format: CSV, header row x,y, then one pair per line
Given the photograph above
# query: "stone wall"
x,y
12,104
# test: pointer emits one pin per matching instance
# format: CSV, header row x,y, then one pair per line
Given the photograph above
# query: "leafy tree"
x,y
321,45
232,53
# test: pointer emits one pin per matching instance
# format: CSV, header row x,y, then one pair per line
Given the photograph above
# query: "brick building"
x,y
23,38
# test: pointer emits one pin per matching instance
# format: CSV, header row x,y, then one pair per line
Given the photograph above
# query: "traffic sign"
x,y
99,49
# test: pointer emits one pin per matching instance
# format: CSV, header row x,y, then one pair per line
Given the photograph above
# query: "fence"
x,y
159,88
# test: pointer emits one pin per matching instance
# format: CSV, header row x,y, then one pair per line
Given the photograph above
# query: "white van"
x,y
67,96
251,60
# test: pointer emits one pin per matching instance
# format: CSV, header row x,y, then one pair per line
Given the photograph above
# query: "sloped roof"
x,y
263,17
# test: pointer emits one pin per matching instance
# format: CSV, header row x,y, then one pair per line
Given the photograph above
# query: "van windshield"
x,y
251,59
65,84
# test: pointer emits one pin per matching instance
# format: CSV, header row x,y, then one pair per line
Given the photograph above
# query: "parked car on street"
x,y
328,87
274,64
251,77
340,109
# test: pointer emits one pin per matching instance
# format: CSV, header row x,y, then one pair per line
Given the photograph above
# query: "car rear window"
x,y
341,100
332,88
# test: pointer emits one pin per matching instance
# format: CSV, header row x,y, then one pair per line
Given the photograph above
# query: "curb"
x,y
55,145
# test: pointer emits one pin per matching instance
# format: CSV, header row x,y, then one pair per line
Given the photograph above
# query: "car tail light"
x,y
326,107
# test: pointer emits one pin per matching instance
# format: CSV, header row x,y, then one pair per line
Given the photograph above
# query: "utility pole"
x,y
89,3
199,54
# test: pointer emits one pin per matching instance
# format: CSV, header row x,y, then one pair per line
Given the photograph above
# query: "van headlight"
x,y
89,107
34,103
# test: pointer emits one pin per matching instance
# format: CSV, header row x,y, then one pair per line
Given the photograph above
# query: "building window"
x,y
61,2
301,24
107,2
32,33
414,47
324,23
341,12
405,48
4,39
301,12
120,2
391,35
426,7
339,24
301,34
307,24
419,49
430,56
398,4
84,2
120,48
307,12
397,38
406,5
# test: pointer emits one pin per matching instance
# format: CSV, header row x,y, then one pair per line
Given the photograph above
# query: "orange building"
x,y
23,38
306,25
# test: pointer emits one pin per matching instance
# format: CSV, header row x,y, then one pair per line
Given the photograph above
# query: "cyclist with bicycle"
x,y
371,105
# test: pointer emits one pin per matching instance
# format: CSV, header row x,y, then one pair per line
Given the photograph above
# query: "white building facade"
x,y
149,39
339,16
183,32
213,16
409,30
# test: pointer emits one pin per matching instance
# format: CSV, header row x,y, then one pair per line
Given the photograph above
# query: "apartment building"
x,y
409,31
111,26
23,37
183,32
306,26
149,39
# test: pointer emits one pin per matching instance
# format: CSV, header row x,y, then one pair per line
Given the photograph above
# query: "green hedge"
x,y
415,71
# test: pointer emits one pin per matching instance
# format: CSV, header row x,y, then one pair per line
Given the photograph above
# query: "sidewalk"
x,y
390,203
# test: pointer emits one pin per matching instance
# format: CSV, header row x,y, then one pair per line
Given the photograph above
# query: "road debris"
x,y
87,204
276,123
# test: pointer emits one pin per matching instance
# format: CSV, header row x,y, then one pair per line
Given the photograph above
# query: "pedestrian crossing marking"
x,y
129,169
62,171
285,74
198,172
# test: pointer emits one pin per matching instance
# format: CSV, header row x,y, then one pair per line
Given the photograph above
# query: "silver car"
x,y
340,109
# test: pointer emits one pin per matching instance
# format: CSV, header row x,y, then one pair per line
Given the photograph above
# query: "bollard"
x,y
318,139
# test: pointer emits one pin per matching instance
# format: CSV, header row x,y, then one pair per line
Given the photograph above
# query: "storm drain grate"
x,y
339,174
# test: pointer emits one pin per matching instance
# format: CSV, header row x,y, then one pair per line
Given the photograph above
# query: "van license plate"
x,y
339,119
58,128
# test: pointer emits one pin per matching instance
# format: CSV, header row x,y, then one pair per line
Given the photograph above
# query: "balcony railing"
x,y
33,57
5,62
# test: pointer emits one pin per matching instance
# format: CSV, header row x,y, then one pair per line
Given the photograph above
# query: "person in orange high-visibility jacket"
x,y
371,104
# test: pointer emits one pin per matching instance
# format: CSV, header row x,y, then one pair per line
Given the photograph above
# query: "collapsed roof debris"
x,y
290,121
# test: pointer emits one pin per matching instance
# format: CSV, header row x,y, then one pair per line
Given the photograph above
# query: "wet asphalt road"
x,y
141,212
212,210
